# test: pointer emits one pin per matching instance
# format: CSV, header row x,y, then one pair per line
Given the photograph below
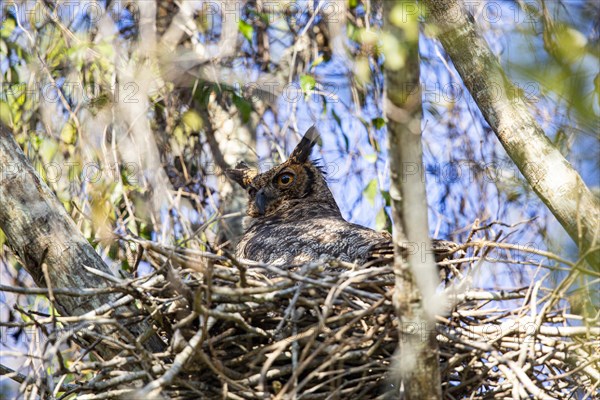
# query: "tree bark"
x,y
39,231
550,175
417,359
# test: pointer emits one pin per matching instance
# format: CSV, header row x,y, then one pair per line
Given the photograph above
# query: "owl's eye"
x,y
252,191
285,179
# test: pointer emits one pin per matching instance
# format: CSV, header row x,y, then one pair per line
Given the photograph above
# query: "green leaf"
x,y
307,83
244,107
336,117
370,192
246,29
125,265
381,220
192,120
48,149
386,197
378,122
318,61
7,27
68,133
5,113
371,158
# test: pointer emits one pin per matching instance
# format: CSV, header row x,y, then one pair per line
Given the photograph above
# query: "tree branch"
x,y
550,175
40,231
417,359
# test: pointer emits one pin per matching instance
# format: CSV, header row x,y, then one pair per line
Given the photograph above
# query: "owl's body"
x,y
307,233
293,217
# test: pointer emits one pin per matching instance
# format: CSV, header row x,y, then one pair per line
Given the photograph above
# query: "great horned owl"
x,y
293,217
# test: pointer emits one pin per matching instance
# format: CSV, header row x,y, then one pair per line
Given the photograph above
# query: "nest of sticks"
x,y
319,331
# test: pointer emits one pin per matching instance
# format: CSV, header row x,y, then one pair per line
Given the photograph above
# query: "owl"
x,y
293,218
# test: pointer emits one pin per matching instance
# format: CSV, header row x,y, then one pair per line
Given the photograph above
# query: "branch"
x,y
414,295
40,231
550,175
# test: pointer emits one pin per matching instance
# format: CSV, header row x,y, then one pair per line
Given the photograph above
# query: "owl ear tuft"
x,y
302,151
242,174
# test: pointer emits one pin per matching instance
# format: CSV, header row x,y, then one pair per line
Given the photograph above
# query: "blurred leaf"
x,y
7,27
362,70
336,117
113,252
146,231
48,149
403,17
381,220
243,106
68,133
125,265
351,32
98,102
378,122
395,53
246,29
318,61
386,196
307,83
5,114
569,44
368,37
192,120
21,99
371,158
370,192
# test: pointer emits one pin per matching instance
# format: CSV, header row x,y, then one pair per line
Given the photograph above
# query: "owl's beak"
x,y
261,201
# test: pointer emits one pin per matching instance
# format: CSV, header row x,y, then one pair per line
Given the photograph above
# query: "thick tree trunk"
x,y
550,175
39,231
417,360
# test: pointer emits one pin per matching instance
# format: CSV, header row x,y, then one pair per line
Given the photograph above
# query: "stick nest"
x,y
318,331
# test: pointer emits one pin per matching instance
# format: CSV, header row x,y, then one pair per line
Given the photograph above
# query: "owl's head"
x,y
290,185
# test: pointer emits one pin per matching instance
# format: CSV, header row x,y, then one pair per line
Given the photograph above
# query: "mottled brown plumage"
x,y
293,217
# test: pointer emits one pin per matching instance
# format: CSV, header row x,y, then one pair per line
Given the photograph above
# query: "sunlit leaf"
x,y
307,83
395,53
406,17
371,158
381,220
368,37
378,122
192,120
246,29
362,70
370,192
5,114
48,149
8,25
318,61
68,133
570,44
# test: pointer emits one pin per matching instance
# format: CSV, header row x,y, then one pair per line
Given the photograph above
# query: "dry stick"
x,y
75,292
322,347
156,386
